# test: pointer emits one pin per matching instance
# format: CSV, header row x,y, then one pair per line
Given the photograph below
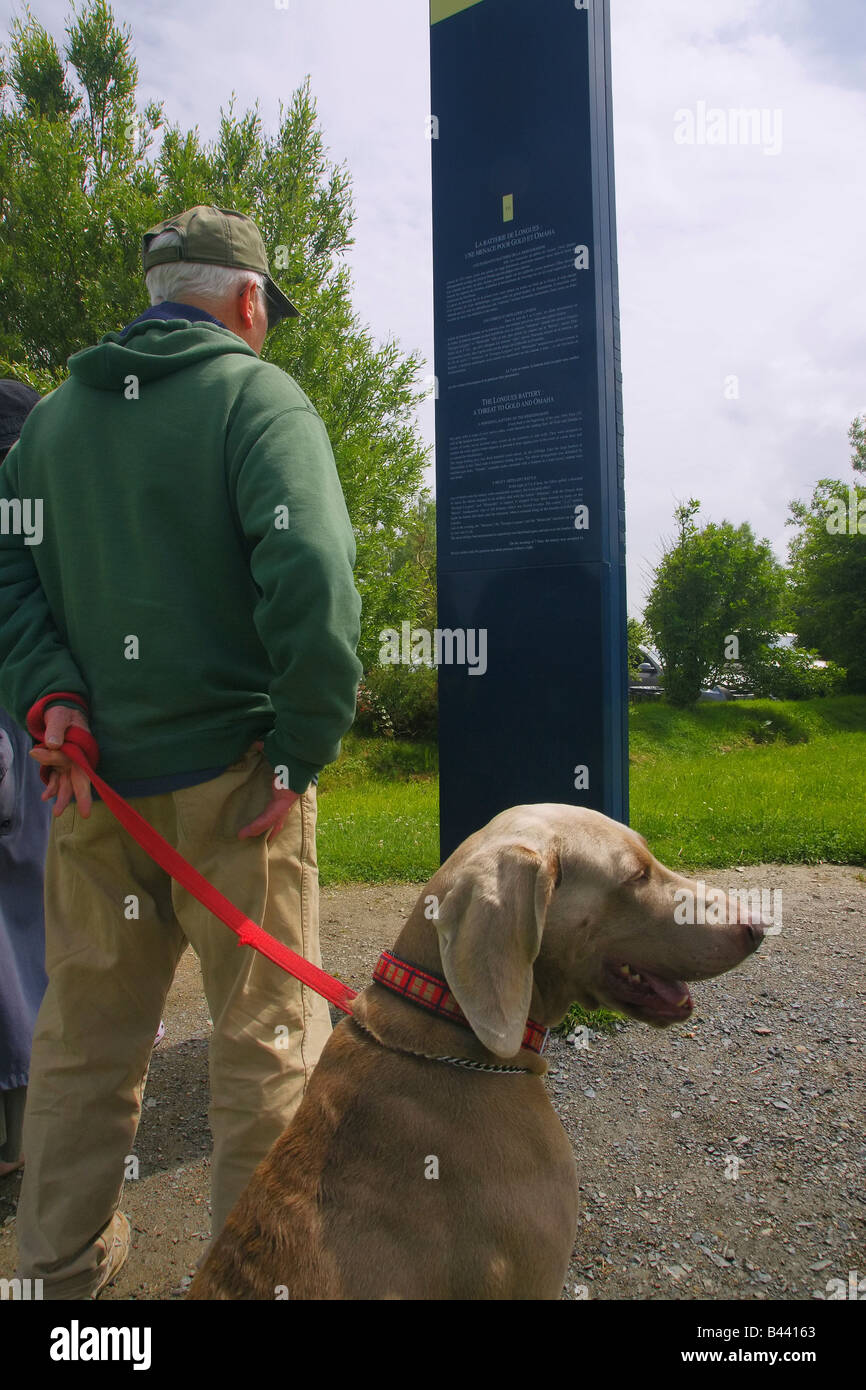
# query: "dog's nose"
x,y
755,933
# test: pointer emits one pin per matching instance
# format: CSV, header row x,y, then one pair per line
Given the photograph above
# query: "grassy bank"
x,y
749,782
717,785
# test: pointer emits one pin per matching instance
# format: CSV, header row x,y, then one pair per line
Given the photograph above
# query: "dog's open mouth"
x,y
647,996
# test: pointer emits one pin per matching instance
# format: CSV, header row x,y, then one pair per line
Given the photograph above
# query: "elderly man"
x,y
191,601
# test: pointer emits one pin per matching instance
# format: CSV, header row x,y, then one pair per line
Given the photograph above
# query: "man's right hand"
x,y
273,817
66,781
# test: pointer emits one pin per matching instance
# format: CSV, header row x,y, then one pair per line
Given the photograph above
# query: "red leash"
x,y
81,748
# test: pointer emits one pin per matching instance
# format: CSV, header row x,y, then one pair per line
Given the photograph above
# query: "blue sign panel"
x,y
528,416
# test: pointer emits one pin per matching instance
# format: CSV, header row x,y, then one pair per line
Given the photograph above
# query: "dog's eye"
x,y
641,876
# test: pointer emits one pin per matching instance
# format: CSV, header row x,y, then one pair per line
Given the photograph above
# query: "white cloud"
x,y
732,262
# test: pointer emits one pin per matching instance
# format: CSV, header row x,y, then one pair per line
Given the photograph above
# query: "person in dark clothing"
x,y
24,824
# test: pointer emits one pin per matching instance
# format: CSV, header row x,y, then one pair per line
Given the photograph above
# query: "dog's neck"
x,y
418,943
400,1022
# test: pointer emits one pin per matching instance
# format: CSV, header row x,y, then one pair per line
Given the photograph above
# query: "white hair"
x,y
174,280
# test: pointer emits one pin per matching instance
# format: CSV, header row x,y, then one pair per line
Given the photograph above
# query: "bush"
x,y
788,674
399,701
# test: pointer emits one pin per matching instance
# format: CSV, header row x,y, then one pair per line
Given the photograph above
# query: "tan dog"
x,y
408,1174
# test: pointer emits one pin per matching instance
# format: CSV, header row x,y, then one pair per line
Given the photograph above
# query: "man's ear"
x,y
490,925
245,303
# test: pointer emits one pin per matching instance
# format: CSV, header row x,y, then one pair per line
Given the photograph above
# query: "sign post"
x,y
531,645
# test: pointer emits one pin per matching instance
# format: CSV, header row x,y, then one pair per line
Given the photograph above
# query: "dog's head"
x,y
550,905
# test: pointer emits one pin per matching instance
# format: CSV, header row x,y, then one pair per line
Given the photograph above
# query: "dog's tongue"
x,y
672,992
668,999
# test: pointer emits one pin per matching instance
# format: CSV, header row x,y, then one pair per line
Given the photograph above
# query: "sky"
x,y
742,293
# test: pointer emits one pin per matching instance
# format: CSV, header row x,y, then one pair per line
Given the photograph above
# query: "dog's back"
x,y
403,1178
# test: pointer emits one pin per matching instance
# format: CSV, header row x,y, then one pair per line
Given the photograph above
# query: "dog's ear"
x,y
490,924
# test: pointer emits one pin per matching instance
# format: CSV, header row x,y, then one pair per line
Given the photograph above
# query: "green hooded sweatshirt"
x,y
175,547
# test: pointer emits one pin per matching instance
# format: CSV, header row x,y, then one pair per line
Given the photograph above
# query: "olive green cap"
x,y
217,236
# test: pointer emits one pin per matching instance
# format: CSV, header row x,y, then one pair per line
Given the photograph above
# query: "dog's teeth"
x,y
638,979
684,1000
624,970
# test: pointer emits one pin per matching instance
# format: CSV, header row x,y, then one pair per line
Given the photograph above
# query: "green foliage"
x,y
713,583
42,379
101,54
414,556
399,700
76,193
828,571
373,759
398,580
790,674
78,188
36,72
857,438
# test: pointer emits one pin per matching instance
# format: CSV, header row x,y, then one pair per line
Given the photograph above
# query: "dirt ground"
x,y
722,1158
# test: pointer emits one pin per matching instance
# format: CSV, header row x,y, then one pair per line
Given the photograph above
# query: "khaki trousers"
x,y
116,926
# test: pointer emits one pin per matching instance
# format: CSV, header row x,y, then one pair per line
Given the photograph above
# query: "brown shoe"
x,y
116,1239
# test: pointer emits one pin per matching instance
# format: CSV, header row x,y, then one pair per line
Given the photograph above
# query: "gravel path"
x,y
718,1159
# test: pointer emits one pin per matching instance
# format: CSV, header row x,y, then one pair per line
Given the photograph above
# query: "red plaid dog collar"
x,y
431,992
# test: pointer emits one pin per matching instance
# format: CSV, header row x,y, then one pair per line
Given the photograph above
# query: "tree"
x,y
76,191
79,184
718,594
857,436
828,568
790,673
413,563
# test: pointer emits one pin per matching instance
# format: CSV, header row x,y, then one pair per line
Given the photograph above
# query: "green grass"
x,y
751,781
372,834
717,785
599,1021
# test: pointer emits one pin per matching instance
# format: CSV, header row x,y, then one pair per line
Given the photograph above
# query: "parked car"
x,y
650,669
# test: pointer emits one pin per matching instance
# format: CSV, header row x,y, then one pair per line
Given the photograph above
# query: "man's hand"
x,y
67,781
274,815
